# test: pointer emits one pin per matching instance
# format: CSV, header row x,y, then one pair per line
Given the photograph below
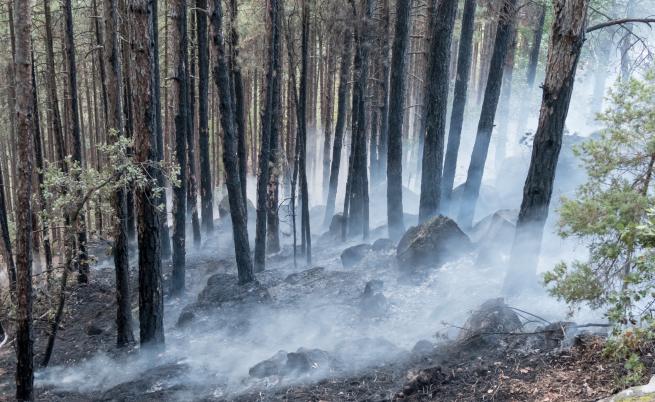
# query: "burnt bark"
x,y
115,128
302,140
206,191
180,94
151,295
464,56
76,135
268,120
487,114
192,187
25,141
394,146
567,38
230,148
340,125
436,99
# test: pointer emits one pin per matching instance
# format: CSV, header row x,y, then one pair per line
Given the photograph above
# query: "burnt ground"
x,y
509,369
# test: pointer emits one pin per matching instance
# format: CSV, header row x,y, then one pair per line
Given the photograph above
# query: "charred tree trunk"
x,y
487,114
83,263
268,120
394,146
532,68
504,107
436,99
164,236
115,128
53,97
192,187
180,95
567,37
7,255
302,141
230,148
355,209
206,191
459,103
383,143
342,96
151,295
25,142
327,127
237,103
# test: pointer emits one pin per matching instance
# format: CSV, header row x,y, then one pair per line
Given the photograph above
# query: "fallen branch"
x,y
620,21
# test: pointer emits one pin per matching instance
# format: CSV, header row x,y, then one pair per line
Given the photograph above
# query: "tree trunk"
x,y
567,37
58,134
342,96
25,142
7,255
164,235
180,96
83,263
192,187
436,100
459,103
237,104
394,146
115,128
355,209
230,148
504,106
302,141
268,121
383,143
151,295
487,115
328,113
206,190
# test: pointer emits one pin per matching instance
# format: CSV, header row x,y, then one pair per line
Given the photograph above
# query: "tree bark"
x,y
302,141
230,148
459,103
504,103
394,146
115,128
337,145
83,263
179,92
25,142
436,99
151,295
192,187
268,120
567,38
206,190
487,115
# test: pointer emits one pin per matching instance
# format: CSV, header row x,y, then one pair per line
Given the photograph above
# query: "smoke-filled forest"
x,y
327,200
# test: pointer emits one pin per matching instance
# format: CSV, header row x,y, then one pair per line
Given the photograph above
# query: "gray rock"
x,y
224,289
383,245
353,255
487,325
301,362
431,244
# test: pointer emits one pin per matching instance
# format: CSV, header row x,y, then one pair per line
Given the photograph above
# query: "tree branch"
x,y
620,21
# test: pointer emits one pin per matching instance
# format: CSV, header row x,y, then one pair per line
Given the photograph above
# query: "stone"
x,y
224,289
642,393
431,244
336,225
353,255
494,235
224,207
301,362
269,367
422,348
185,318
487,325
93,329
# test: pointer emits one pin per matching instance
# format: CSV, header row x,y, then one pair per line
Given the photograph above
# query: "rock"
x,y
642,393
185,318
487,325
298,277
301,362
336,225
224,207
383,245
225,289
422,348
269,367
92,329
373,286
431,243
352,255
494,235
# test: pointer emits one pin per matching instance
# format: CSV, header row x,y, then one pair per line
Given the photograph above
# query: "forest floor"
x,y
450,371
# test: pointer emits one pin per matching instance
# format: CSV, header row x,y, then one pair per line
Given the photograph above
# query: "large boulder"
x,y
487,325
301,362
224,207
224,289
353,255
432,243
493,236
